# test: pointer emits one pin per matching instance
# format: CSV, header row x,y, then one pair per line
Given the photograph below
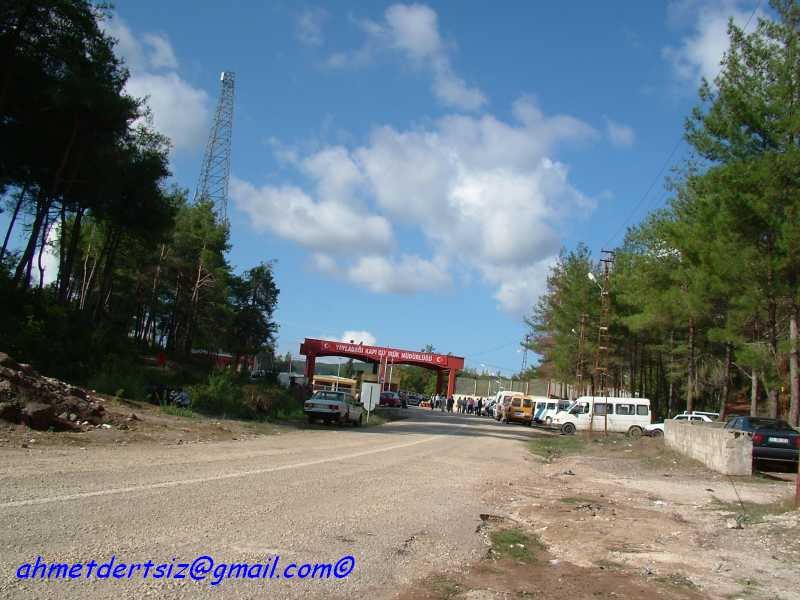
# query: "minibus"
x,y
600,413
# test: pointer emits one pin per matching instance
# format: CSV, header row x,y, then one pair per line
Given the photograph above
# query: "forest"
x,y
85,183
703,294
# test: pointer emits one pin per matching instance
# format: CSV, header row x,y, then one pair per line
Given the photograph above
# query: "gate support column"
x,y
451,382
311,360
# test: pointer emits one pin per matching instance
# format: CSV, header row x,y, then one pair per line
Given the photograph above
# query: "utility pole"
x,y
579,367
216,170
525,353
603,338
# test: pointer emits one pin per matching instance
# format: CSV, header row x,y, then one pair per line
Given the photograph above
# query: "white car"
x,y
334,407
657,429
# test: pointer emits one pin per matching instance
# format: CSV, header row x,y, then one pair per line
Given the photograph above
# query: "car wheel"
x,y
568,428
635,432
657,433
548,421
310,419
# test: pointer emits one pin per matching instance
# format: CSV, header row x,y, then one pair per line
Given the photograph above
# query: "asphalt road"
x,y
403,499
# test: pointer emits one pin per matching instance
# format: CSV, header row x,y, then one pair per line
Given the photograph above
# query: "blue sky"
x,y
415,168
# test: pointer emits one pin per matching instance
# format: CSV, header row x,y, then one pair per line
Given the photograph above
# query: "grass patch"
x,y
177,411
443,587
750,512
551,447
610,565
515,544
374,420
575,500
676,580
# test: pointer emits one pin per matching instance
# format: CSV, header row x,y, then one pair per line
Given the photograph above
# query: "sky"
x,y
415,169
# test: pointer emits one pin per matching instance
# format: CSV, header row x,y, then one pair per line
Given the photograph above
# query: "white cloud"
x,y
486,196
700,52
325,226
413,30
407,275
161,56
358,337
620,135
309,26
179,110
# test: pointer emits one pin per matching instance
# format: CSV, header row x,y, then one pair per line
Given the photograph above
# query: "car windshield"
x,y
769,424
329,396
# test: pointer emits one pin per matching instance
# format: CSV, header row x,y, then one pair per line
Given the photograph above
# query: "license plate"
x,y
776,440
519,414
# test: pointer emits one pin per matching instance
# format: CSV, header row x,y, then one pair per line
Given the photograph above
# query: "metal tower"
x,y
216,170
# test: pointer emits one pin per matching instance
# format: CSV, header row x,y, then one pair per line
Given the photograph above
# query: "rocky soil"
x,y
45,403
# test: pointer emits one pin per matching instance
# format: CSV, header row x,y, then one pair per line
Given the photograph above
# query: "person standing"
x,y
480,406
450,404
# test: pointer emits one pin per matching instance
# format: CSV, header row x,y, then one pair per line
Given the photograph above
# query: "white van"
x,y
546,409
593,413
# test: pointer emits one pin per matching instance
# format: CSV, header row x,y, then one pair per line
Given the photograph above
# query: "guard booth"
x,y
382,358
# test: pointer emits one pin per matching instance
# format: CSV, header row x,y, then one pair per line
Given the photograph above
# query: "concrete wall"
x,y
722,450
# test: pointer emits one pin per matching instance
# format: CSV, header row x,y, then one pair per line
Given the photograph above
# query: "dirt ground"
x,y
132,422
630,519
616,518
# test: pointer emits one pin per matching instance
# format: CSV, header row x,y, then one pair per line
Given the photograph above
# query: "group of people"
x,y
464,406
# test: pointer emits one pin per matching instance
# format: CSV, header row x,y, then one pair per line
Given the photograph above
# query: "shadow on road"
x,y
422,421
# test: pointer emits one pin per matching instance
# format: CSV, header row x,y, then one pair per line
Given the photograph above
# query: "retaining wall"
x,y
728,452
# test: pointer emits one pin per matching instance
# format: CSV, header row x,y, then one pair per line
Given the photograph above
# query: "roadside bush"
x,y
119,377
221,395
225,394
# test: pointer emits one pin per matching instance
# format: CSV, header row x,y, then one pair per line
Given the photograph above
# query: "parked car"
x,y
333,407
711,415
773,439
657,429
414,399
390,399
595,413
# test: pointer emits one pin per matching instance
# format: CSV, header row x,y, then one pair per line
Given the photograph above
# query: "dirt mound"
x,y
43,402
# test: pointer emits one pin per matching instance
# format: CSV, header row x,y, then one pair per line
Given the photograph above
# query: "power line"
x,y
668,159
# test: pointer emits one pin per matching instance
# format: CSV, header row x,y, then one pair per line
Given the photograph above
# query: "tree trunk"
x,y
754,394
723,400
691,375
22,273
88,275
794,376
66,270
670,401
17,207
108,271
42,246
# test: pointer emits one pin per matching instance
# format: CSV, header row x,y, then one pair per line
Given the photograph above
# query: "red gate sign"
x,y
314,347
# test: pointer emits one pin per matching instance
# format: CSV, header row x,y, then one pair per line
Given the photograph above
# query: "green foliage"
x,y
226,395
515,544
555,446
704,292
556,320
119,377
139,268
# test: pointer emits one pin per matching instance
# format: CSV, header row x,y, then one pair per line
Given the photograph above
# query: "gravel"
x,y
404,499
